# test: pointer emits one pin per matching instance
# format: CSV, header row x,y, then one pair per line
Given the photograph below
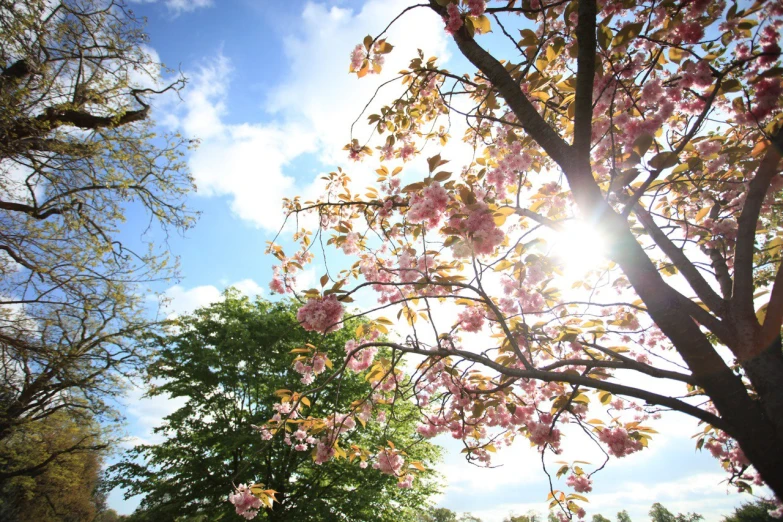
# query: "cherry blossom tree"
x,y
646,134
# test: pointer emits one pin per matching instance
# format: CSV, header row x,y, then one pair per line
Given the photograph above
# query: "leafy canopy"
x,y
230,361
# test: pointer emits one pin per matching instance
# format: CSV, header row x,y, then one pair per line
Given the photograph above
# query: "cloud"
x,y
183,301
180,6
312,107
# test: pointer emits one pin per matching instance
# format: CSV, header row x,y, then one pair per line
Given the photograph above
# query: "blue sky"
x,y
271,101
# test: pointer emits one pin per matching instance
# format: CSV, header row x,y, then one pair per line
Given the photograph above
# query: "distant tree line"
x,y
757,511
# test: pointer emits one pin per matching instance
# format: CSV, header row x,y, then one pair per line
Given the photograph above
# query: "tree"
x,y
658,513
600,518
623,516
752,512
530,517
64,489
622,130
438,515
231,361
78,154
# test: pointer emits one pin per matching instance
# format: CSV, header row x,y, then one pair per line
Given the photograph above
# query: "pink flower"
x,y
245,503
454,21
406,482
690,32
580,483
476,7
323,452
619,442
357,57
388,462
321,314
319,363
351,243
471,319
428,206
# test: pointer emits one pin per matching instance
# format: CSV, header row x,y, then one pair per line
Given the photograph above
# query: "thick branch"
x,y
691,274
523,109
571,378
585,74
774,316
742,300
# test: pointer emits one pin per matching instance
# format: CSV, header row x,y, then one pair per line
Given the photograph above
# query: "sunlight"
x,y
580,249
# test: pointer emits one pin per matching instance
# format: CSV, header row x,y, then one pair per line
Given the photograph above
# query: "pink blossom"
x,y
351,244
319,364
429,206
321,314
541,433
619,442
689,32
245,503
580,483
389,462
324,451
476,7
357,57
406,482
454,20
778,511
471,319
483,236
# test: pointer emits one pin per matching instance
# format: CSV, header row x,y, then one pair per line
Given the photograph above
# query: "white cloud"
x,y
180,6
313,107
183,301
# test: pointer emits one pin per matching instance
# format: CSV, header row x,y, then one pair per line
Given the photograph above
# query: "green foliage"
x,y
228,360
77,153
529,517
446,515
752,512
64,489
600,518
658,513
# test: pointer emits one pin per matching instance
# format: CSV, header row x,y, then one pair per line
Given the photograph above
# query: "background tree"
x,y
623,516
757,511
78,152
654,126
658,513
61,458
438,515
600,518
529,517
230,360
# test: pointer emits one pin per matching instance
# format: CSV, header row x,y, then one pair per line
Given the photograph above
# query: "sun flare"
x,y
579,247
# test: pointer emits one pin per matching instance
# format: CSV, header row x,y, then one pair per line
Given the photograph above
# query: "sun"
x,y
579,247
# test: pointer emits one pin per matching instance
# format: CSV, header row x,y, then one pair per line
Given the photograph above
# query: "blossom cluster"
x,y
245,503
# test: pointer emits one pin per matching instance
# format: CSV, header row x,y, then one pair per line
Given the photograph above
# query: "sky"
x,y
271,101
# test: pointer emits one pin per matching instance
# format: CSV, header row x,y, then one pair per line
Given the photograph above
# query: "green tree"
x,y
62,490
600,518
623,516
658,513
752,512
438,515
529,517
228,360
78,153
469,517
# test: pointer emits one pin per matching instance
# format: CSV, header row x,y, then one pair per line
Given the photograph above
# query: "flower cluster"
x,y
619,441
581,483
245,503
321,314
429,206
